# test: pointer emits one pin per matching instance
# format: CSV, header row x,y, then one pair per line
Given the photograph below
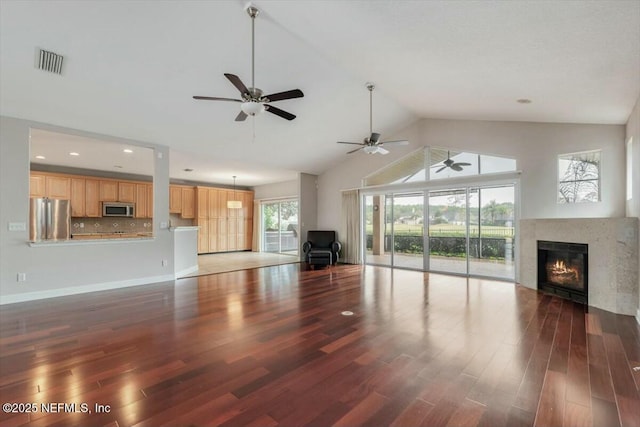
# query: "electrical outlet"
x,y
17,226
165,262
22,277
82,225
163,225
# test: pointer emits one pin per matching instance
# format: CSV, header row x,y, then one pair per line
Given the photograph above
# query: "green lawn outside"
x,y
448,230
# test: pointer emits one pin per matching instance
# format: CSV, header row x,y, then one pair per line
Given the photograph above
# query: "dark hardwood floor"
x,y
269,347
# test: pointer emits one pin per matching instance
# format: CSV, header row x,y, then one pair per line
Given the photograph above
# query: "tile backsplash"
x,y
105,225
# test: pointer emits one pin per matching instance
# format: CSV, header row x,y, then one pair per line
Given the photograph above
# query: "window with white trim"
x,y
579,177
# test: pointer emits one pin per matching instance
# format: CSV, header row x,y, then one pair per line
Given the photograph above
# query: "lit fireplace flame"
x,y
559,267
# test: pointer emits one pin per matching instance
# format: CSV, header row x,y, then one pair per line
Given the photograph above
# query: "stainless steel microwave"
x,y
126,210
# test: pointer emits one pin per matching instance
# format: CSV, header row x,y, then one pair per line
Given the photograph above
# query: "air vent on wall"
x,y
49,61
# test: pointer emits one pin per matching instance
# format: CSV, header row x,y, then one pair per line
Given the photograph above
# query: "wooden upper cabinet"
x,y
222,203
58,187
78,197
37,185
202,202
92,198
141,201
108,191
149,200
126,192
175,199
188,202
212,194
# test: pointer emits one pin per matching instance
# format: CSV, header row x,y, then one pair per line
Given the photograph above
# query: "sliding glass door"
x,y
471,230
280,227
448,231
491,235
408,230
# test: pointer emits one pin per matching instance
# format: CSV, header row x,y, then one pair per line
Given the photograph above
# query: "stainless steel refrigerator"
x,y
49,219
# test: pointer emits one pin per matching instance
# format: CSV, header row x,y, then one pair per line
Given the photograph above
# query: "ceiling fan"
x,y
456,166
372,144
252,99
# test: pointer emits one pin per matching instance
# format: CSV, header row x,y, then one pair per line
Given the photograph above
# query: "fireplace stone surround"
x,y
613,256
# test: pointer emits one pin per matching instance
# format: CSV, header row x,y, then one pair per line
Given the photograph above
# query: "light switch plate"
x,y
17,226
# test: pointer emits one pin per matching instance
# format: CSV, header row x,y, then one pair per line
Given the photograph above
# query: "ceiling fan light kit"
x,y
252,100
372,144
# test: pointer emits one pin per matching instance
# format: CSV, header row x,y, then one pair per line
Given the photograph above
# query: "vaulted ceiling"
x,y
131,69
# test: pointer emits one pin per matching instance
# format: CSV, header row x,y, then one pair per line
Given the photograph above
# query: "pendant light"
x,y
234,204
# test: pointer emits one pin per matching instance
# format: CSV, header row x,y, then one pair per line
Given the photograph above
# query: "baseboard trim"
x,y
73,290
180,274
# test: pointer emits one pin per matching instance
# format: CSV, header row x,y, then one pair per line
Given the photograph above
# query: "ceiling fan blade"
x,y
241,117
382,150
279,112
214,98
353,143
353,151
456,167
463,164
374,137
441,169
235,80
399,142
290,94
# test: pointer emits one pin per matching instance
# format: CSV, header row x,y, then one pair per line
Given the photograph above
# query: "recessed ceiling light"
x,y
523,101
73,153
126,150
40,157
188,170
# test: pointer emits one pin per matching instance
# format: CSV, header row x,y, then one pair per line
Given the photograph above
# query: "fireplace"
x,y
563,269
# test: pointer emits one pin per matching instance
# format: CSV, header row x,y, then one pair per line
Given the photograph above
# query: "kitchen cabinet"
x,y
78,197
175,199
92,198
203,237
108,191
37,185
222,229
141,210
149,200
126,192
58,187
188,195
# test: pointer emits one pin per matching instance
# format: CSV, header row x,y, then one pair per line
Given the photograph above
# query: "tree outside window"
x,y
579,177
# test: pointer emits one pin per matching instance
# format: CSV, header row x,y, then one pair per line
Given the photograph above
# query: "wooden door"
x,y
188,202
222,235
126,192
202,204
78,197
141,201
248,234
240,239
213,234
108,191
213,203
175,199
92,198
203,237
37,185
58,187
222,204
232,234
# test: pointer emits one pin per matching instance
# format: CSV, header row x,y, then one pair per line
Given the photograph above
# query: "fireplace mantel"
x,y
613,256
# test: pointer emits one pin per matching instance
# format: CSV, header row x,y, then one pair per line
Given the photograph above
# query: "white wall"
x,y
633,205
277,190
308,208
63,269
535,146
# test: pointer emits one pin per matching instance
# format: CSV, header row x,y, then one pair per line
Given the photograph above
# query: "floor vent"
x,y
49,61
